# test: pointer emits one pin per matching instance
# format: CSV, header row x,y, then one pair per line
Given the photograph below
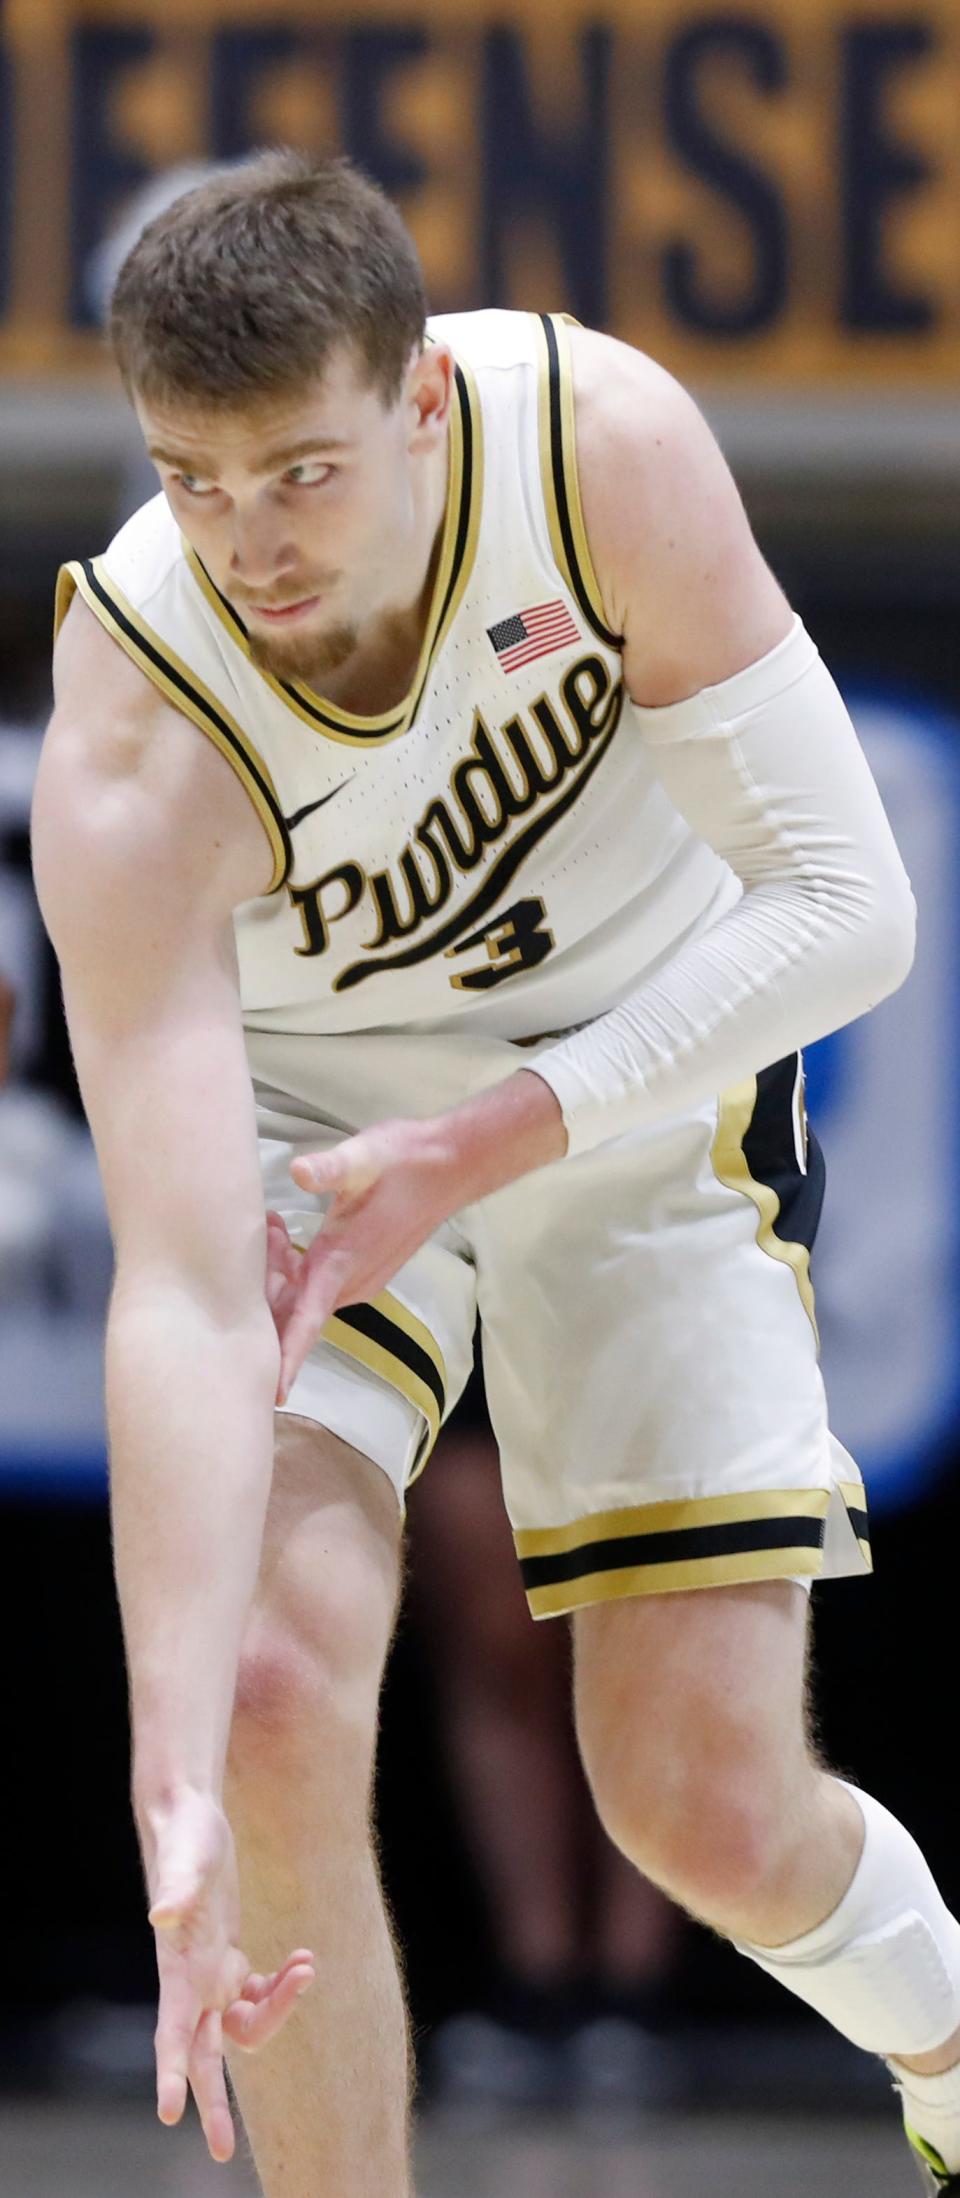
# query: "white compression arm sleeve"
x,y
767,769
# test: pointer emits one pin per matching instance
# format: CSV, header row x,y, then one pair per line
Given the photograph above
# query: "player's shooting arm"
x,y
752,742
143,844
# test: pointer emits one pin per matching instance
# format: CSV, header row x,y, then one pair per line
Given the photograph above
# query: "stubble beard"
x,y
310,657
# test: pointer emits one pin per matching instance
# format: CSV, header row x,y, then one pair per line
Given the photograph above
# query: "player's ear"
x,y
429,392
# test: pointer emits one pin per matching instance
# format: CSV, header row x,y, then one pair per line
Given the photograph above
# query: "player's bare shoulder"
x,y
681,575
627,405
123,760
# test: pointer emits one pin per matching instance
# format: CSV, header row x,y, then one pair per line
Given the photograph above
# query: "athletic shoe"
x,y
934,2173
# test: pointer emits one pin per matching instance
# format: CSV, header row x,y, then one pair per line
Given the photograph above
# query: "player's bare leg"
x,y
504,1700
326,2106
692,1723
691,1714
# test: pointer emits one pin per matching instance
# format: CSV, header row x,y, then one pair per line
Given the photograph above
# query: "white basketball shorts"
x,y
647,1322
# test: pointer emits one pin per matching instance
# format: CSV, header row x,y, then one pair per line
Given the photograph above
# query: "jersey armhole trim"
x,y
181,687
558,472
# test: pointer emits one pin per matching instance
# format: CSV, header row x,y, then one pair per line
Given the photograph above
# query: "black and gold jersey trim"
x,y
458,546
390,1341
763,1148
558,470
658,1548
180,685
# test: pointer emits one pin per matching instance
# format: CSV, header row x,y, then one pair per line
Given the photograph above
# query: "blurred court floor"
x,y
52,2150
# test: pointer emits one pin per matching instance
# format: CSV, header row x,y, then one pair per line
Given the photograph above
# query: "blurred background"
x,y
767,198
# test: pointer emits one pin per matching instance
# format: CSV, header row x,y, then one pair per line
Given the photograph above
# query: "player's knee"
x,y
310,1671
711,1828
726,1851
297,1717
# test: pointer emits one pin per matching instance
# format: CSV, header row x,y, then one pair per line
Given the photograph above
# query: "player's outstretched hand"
x,y
389,1188
208,1992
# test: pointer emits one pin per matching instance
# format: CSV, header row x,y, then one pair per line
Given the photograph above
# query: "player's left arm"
x,y
752,742
682,578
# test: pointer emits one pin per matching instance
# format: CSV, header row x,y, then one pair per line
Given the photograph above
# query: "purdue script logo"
x,y
532,767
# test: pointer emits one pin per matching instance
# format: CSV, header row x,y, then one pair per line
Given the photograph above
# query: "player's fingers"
x,y
276,1278
234,1975
178,1891
298,1336
251,2023
173,1904
281,1250
350,1168
282,1258
209,2088
173,2044
322,1287
281,1292
172,2092
254,1986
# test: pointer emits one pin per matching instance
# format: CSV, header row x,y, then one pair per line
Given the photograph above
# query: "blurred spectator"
x,y
584,1948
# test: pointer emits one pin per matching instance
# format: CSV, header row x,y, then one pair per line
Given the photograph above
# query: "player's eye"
x,y
311,473
194,485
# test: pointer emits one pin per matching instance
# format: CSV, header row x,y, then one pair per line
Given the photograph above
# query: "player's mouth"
x,y
284,614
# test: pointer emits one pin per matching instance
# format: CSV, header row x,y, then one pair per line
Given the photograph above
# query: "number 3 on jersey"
x,y
518,939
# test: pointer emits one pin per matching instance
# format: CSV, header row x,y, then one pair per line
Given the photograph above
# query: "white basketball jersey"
x,y
496,848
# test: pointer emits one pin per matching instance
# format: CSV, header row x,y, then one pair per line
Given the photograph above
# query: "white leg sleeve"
x,y
884,1969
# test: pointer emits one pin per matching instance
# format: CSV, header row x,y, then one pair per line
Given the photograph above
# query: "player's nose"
x,y
259,557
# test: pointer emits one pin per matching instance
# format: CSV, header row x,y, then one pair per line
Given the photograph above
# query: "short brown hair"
x,y
244,286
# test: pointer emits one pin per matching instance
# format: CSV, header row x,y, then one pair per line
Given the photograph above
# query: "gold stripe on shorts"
x,y
387,1337
657,1548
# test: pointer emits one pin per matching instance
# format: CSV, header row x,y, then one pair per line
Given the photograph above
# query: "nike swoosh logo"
x,y
310,806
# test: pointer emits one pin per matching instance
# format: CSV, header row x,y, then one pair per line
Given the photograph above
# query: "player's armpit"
x,y
681,575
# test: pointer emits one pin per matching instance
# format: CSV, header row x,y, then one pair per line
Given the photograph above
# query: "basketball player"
x,y
440,783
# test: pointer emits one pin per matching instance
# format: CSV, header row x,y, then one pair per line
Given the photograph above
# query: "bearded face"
x,y
304,512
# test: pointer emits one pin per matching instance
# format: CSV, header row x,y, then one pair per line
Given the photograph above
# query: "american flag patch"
x,y
536,632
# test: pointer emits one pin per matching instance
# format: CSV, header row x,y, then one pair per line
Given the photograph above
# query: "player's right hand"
x,y
208,1992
